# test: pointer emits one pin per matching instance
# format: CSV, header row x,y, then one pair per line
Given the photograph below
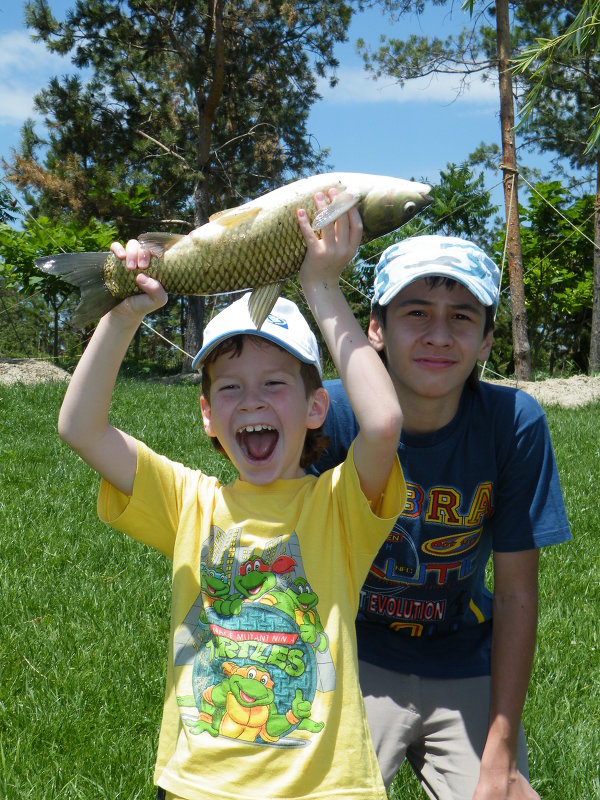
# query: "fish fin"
x,y
261,302
340,205
158,243
86,272
96,301
235,216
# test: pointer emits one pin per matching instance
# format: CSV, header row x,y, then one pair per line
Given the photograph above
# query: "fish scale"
x,y
251,260
257,245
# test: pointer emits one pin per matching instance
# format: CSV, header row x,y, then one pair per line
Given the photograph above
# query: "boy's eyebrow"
x,y
419,301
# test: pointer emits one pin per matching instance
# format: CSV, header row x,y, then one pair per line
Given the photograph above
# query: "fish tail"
x,y
86,272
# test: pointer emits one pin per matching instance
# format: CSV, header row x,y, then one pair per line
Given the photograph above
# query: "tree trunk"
x,y
521,349
55,341
193,330
207,105
595,333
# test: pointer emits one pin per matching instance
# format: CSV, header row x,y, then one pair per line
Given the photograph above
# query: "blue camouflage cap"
x,y
443,256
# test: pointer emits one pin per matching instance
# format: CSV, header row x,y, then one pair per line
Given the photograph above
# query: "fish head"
x,y
390,204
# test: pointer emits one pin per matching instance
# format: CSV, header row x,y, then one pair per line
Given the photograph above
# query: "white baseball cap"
x,y
284,326
443,256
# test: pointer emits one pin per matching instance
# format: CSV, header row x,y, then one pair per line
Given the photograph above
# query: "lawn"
x,y
85,610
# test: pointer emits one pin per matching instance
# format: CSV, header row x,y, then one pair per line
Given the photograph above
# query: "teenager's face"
x,y
433,337
259,411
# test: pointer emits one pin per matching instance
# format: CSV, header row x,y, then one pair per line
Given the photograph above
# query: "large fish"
x,y
254,246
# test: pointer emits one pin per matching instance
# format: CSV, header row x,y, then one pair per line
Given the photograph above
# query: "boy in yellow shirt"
x,y
262,697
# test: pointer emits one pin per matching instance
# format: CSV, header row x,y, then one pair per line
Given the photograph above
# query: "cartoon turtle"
x,y
242,706
215,586
307,618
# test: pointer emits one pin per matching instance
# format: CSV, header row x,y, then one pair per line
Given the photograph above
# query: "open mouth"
x,y
246,697
257,441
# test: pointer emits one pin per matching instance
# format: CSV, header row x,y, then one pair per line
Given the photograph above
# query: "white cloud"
x,y
16,104
20,54
356,86
25,68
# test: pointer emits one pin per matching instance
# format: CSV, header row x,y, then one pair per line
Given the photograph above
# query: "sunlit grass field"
x,y
85,611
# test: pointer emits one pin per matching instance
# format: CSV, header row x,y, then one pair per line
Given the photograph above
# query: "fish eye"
x,y
410,207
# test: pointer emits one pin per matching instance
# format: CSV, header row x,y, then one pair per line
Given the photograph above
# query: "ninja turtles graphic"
x,y
252,649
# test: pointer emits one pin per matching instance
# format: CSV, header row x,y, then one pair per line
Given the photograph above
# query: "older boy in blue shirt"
x,y
443,686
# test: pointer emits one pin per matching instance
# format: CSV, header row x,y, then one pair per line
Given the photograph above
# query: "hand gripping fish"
x,y
255,246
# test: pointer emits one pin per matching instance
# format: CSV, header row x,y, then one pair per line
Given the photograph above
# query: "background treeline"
x,y
180,111
558,278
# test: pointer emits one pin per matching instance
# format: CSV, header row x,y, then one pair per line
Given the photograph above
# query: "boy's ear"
x,y
375,334
318,409
486,346
206,416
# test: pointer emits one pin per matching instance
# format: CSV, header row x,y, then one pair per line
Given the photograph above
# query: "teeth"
x,y
255,428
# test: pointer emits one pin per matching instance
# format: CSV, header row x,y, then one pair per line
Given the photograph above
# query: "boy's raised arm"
x,y
365,378
83,419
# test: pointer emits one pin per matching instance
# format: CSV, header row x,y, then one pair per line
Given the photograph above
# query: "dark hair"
x,y
315,441
379,313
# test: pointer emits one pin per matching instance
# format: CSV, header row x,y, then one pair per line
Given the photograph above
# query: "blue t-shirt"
x,y
486,481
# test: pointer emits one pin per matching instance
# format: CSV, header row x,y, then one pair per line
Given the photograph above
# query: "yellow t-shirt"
x,y
262,699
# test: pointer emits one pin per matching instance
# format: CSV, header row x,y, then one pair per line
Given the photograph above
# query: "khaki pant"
x,y
439,726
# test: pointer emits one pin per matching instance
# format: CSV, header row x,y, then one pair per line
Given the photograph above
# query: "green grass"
x,y
85,610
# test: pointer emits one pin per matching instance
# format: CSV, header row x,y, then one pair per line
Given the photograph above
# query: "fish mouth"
x,y
257,442
425,195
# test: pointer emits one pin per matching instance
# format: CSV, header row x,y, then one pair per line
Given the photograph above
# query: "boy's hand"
x,y
327,254
153,295
500,788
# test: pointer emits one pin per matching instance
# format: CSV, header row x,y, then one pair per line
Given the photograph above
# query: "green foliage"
x,y
462,54
559,68
188,109
32,326
573,42
461,207
209,107
25,324
558,267
43,236
7,205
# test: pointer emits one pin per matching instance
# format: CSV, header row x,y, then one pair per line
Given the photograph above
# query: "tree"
x,y
7,206
514,251
558,285
19,248
580,38
561,108
478,50
460,207
198,106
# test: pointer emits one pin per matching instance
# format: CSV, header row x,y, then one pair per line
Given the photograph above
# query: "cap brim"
x,y
203,354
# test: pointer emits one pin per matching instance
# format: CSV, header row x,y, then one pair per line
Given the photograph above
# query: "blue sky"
x,y
368,126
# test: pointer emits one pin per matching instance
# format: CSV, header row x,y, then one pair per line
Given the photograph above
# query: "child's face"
x,y
433,337
259,411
